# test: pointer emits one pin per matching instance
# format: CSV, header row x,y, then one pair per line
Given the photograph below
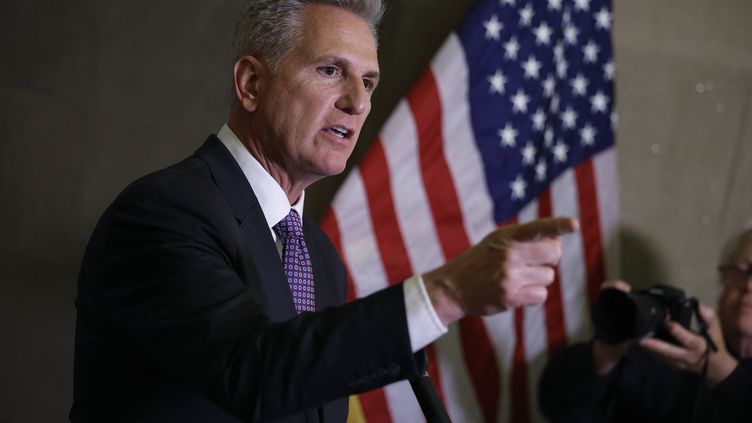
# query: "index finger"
x,y
544,228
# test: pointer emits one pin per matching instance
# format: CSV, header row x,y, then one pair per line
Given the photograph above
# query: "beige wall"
x,y
96,93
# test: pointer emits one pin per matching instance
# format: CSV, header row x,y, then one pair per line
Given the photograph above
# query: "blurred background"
x,y
96,93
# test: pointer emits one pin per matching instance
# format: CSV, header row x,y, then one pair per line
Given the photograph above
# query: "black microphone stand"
x,y
428,398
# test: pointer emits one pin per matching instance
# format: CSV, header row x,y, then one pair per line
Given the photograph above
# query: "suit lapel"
x,y
265,274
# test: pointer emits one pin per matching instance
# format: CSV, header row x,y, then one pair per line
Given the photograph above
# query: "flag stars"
x,y
599,102
560,152
528,154
561,68
526,15
497,81
539,119
549,84
509,2
540,170
519,101
590,52
587,134
608,70
554,4
518,188
493,28
531,67
570,34
582,4
548,137
543,34
579,85
603,19
511,48
569,118
508,136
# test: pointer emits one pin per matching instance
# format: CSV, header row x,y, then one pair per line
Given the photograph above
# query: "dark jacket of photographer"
x,y
641,389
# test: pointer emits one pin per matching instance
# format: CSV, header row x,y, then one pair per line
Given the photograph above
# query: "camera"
x,y
619,316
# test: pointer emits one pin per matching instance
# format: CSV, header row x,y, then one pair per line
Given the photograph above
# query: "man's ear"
x,y
247,72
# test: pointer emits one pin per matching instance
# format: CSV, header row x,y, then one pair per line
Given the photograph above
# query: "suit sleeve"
x,y
161,281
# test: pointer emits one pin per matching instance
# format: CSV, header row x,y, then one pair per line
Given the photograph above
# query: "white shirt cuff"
x,y
423,324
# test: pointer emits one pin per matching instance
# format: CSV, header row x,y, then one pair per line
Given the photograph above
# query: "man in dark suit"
x,y
201,299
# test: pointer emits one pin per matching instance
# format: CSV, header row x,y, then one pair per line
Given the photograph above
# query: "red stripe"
x,y
554,306
331,227
374,402
479,356
590,225
519,412
374,171
375,174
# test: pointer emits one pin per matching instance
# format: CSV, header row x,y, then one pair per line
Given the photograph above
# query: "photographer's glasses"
x,y
735,274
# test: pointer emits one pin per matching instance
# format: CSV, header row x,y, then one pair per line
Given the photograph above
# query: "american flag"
x,y
512,121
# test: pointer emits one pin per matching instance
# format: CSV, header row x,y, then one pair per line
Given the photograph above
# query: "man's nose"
x,y
354,100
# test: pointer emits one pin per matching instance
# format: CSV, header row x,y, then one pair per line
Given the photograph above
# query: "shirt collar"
x,y
270,195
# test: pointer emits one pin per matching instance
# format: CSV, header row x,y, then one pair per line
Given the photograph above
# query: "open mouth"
x,y
339,132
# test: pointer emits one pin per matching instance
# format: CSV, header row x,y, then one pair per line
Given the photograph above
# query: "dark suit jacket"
x,y
185,314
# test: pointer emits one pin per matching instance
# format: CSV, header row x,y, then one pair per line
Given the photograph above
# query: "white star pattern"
x,y
603,19
542,34
548,137
535,71
497,81
579,85
531,67
528,154
561,68
560,152
519,101
555,103
590,52
511,48
526,16
582,4
559,52
518,188
493,28
570,34
549,84
539,120
599,102
540,170
508,136
569,118
587,133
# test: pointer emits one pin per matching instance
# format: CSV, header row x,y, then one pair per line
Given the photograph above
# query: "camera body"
x,y
619,316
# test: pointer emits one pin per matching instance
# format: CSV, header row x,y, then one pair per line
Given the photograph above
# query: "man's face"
x,y
735,304
313,108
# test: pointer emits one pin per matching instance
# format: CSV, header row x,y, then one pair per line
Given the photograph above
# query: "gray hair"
x,y
270,28
733,245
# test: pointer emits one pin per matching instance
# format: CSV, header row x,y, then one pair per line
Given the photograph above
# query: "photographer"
x,y
651,380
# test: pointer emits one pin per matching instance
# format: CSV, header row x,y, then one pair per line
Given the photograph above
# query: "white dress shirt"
x,y
423,324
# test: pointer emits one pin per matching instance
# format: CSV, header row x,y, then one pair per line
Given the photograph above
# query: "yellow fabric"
x,y
356,411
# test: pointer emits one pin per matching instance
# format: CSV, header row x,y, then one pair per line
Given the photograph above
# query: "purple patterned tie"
x,y
297,262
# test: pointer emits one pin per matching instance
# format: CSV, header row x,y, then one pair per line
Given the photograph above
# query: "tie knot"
x,y
290,226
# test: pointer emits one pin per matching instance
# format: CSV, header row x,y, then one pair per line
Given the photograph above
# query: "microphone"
x,y
428,399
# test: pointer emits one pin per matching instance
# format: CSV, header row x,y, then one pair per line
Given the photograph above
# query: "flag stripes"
x,y
421,196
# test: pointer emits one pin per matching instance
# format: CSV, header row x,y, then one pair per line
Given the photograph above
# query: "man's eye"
x,y
368,84
329,70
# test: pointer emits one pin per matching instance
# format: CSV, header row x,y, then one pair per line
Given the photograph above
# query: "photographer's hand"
x,y
690,355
